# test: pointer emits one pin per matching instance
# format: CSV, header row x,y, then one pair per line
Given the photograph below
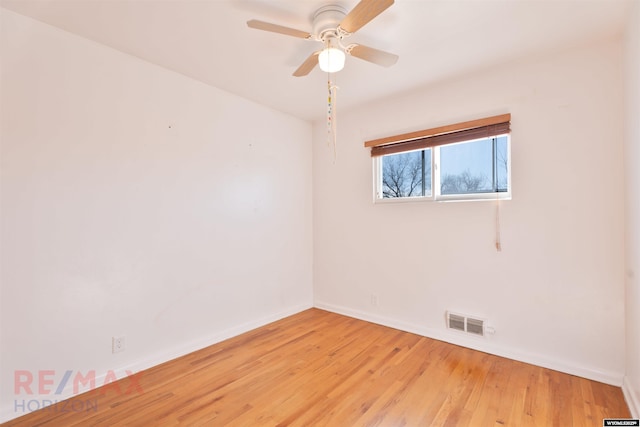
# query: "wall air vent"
x,y
456,322
475,326
464,323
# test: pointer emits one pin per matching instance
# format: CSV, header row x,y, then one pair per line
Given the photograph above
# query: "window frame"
x,y
436,179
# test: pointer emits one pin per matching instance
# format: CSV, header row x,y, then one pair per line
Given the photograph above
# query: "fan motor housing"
x,y
327,19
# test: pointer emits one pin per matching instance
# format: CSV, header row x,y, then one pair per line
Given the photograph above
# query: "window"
x,y
467,162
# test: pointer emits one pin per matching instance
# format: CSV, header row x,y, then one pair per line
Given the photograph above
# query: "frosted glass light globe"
x,y
331,60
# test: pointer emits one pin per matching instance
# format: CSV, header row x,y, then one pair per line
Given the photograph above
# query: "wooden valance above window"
x,y
449,134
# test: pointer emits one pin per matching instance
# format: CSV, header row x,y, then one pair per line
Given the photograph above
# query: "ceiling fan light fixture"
x,y
331,60
332,24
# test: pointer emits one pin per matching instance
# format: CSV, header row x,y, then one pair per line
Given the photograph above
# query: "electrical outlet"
x,y
117,344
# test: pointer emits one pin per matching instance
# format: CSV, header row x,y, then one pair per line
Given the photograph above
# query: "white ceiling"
x,y
208,40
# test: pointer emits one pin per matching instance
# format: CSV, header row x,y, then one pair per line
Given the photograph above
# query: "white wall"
x,y
632,160
555,293
138,202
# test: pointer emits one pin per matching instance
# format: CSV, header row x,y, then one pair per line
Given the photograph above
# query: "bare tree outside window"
x,y
462,183
503,166
406,174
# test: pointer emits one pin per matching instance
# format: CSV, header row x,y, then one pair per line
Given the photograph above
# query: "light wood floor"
x,y
322,369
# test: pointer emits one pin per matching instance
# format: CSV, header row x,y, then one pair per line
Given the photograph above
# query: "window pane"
x,y
502,164
468,167
406,174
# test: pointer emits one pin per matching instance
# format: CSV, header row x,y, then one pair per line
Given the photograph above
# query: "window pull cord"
x,y
498,240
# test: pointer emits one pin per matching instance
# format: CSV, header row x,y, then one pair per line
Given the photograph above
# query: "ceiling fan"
x,y
332,24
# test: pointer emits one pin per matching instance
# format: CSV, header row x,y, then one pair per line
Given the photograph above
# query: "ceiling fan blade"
x,y
307,65
274,28
370,54
364,12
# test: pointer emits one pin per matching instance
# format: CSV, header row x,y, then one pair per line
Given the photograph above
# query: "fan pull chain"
x,y
331,115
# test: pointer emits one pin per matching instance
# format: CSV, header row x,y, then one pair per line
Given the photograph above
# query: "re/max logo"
x,y
44,382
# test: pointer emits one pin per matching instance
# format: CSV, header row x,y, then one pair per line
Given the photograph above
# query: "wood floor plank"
x,y
322,369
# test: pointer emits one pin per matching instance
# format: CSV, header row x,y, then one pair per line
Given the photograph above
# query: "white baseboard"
x,y
8,412
632,398
480,344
